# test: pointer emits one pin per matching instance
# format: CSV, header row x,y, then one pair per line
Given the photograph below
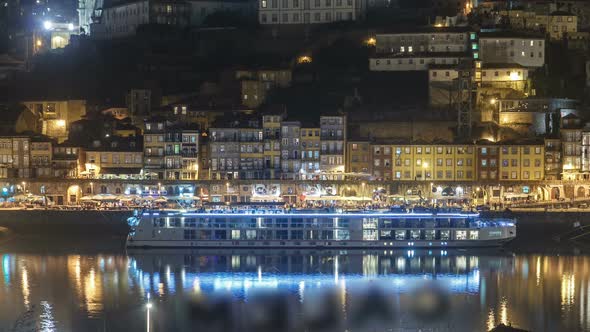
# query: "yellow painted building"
x,y
434,162
522,162
271,126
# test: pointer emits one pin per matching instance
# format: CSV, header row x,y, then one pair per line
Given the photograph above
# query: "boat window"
x,y
473,235
429,234
327,235
445,235
159,222
204,234
341,223
297,235
235,234
190,222
220,235
282,235
342,234
267,223
386,235
174,222
250,234
297,223
415,234
369,235
370,223
190,234
461,235
386,223
282,223
400,235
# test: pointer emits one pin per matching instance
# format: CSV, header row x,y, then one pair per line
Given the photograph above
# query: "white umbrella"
x,y
19,197
86,198
104,197
161,200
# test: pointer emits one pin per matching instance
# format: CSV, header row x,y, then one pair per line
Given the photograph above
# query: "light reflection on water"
x,y
108,292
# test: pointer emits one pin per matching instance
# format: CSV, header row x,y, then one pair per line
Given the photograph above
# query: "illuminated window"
x,y
460,235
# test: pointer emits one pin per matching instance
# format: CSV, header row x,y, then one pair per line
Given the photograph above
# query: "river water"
x,y
47,289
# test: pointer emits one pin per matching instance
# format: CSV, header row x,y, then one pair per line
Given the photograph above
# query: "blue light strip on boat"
x,y
332,215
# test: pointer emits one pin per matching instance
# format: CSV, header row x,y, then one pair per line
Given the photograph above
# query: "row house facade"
x,y
279,150
236,153
117,157
332,146
484,161
170,151
26,156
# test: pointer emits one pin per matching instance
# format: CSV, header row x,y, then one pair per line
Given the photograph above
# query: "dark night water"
x,y
61,290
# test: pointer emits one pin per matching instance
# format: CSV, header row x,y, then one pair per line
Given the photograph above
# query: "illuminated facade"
x,y
271,125
115,158
419,50
571,147
522,162
527,51
427,162
333,145
310,152
557,24
170,151
55,116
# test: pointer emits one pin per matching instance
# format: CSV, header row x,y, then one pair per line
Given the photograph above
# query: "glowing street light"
x,y
148,307
48,25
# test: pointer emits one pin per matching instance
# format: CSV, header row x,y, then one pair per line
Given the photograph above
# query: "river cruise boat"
x,y
276,227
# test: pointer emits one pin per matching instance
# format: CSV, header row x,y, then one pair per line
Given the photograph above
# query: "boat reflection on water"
x,y
227,290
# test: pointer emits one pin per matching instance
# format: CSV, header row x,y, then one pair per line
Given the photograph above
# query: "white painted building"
x,y
413,63
432,40
307,11
417,50
525,51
